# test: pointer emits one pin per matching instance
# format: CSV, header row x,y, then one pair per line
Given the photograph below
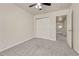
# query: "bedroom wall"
x,y
16,26
75,8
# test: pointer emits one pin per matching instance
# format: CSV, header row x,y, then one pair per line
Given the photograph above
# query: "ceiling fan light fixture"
x,y
38,6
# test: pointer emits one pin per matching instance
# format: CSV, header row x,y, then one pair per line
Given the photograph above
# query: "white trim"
x,y
76,50
16,44
45,38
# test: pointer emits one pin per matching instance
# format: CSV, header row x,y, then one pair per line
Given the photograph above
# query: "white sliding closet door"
x,y
42,26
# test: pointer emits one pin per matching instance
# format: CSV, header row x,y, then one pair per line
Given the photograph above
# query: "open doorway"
x,y
61,28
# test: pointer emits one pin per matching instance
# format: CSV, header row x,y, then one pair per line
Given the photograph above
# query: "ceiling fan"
x,y
39,5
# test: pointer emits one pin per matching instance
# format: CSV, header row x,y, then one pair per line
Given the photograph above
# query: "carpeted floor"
x,y
40,47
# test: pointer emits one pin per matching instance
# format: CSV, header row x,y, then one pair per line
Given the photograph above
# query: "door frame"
x,y
67,12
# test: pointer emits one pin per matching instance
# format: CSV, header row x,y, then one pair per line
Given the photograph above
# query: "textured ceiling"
x,y
45,9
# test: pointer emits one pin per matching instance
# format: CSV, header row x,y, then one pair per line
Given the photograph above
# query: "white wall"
x,y
52,18
16,26
75,8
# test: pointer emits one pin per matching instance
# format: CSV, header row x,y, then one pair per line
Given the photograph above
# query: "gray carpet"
x,y
40,47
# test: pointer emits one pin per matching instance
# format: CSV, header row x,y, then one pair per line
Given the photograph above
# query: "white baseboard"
x,y
16,44
46,38
77,51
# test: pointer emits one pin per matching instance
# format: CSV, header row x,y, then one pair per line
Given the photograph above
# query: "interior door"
x,y
69,28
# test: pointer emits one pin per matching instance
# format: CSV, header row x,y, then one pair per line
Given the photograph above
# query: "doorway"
x,y
61,28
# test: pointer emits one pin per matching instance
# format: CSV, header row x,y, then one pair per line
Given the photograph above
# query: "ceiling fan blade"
x,y
47,4
32,5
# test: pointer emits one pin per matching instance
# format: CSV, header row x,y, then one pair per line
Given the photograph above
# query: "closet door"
x,y
42,27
